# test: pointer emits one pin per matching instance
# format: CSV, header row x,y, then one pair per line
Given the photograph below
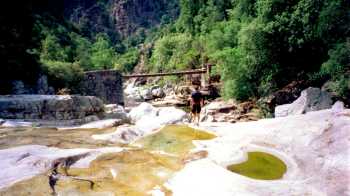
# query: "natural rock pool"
x,y
140,169
173,139
261,166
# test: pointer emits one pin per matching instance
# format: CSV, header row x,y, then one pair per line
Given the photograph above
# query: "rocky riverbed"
x,y
151,156
75,145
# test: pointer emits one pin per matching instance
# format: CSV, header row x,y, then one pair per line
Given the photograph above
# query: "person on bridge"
x,y
197,101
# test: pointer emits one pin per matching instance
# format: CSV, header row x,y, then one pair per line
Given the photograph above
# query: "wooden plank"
x,y
188,72
196,71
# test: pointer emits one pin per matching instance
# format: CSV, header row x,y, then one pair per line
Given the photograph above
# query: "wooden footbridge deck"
x,y
187,72
205,71
108,84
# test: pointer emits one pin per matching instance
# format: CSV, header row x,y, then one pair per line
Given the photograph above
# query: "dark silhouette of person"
x,y
197,101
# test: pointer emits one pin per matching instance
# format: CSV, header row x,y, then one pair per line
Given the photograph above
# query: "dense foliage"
x,y
261,45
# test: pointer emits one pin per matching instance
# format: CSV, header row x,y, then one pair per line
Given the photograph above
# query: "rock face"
x,y
124,17
311,99
133,14
49,107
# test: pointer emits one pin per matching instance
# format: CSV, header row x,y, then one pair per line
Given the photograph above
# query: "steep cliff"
x,y
26,26
122,17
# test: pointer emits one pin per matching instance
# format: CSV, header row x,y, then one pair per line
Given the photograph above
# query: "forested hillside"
x,y
63,38
258,46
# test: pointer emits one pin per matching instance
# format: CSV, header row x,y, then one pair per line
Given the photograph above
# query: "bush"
x,y
126,62
102,53
64,75
175,51
337,68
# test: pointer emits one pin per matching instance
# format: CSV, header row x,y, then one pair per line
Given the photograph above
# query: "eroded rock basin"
x,y
140,169
261,166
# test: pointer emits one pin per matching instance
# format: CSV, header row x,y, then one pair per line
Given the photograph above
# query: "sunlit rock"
x,y
27,161
314,147
144,109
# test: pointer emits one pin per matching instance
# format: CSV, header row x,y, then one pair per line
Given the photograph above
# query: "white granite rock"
x,y
314,146
147,119
144,109
24,162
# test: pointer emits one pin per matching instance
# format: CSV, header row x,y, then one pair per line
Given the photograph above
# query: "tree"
x,y
102,53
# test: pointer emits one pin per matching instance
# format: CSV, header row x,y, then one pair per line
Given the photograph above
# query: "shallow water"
x,y
131,172
173,139
260,165
52,137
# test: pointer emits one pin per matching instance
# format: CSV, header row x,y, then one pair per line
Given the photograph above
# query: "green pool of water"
x,y
260,165
175,139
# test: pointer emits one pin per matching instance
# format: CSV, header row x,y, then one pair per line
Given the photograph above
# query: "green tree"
x,y
82,51
102,53
51,49
127,61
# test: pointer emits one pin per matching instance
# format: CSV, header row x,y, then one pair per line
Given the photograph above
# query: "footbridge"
x,y
108,84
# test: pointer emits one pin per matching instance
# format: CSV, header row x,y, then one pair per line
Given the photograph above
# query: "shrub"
x,y
64,75
337,68
126,62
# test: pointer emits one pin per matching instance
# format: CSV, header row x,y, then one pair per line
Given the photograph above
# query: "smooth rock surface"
x,y
146,119
144,109
315,148
49,107
311,99
27,161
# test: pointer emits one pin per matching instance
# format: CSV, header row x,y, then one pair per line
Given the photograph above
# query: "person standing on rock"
x,y
197,102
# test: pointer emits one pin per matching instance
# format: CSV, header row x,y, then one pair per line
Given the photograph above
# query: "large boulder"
x,y
145,113
311,99
114,111
147,119
286,95
157,92
144,109
132,94
146,94
49,107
